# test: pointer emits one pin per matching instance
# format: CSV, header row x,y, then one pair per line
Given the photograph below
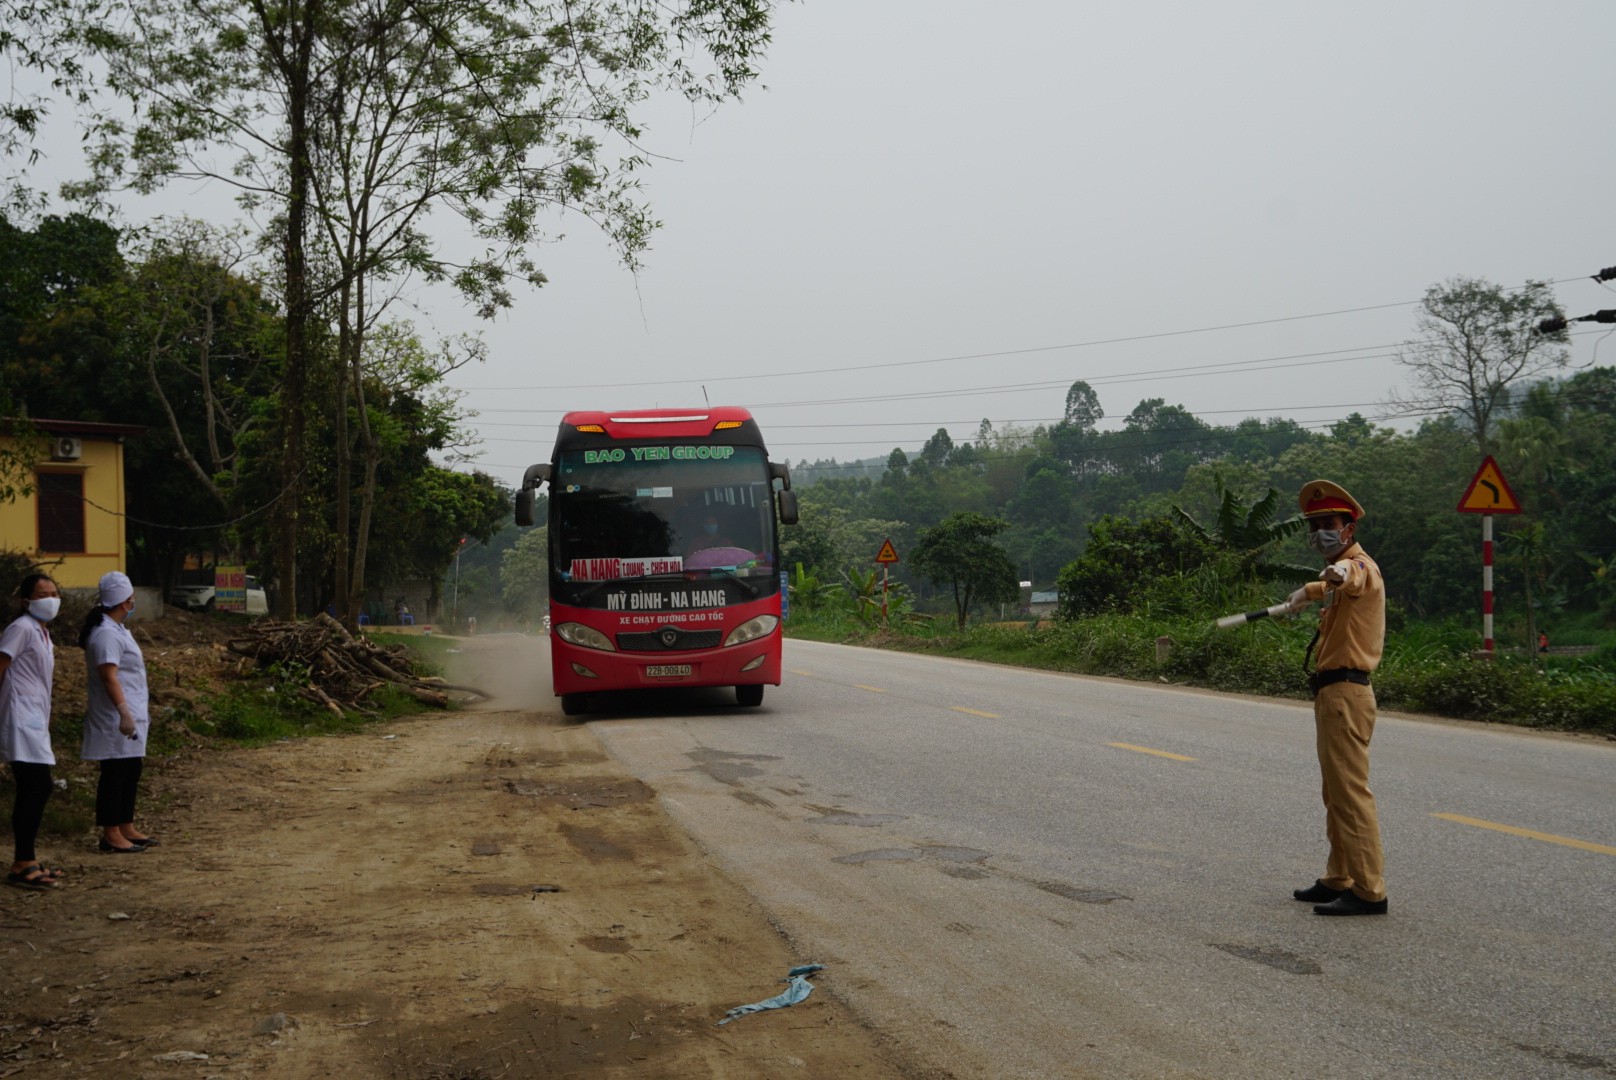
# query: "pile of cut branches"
x,y
342,669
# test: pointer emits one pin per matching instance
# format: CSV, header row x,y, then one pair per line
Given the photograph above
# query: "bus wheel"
x,y
750,694
574,704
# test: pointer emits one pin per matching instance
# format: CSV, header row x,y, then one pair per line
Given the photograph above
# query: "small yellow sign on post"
x,y
887,554
1489,492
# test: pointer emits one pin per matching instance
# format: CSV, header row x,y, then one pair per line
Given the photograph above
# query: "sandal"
x,y
32,877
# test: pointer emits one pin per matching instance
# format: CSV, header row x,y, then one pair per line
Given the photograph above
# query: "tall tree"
x,y
371,112
962,553
1477,339
1083,410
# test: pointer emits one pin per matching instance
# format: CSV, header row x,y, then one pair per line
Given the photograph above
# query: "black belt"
x,y
1318,680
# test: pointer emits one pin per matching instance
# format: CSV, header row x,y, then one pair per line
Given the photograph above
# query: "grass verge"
x,y
1426,668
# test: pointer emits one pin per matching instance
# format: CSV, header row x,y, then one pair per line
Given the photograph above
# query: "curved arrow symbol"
x,y
1492,488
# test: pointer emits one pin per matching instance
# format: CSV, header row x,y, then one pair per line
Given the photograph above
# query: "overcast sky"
x,y
937,207
940,211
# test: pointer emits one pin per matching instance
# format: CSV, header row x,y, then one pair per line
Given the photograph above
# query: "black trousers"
x,y
33,792
115,794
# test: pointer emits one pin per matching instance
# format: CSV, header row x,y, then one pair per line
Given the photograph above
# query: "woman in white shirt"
x,y
117,718
27,662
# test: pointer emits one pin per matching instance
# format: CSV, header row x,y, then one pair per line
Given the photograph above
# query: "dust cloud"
x,y
514,668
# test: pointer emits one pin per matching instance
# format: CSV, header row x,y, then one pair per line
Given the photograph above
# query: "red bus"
x,y
664,552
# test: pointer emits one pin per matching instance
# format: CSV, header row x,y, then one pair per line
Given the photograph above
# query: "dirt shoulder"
x,y
375,905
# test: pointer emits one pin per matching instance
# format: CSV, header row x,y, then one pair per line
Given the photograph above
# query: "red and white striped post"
x,y
1487,584
1488,494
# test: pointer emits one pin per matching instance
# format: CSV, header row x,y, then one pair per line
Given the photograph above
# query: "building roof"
x,y
85,428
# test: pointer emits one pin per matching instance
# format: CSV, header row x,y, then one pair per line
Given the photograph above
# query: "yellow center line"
x,y
1148,750
975,712
799,671
871,689
1549,838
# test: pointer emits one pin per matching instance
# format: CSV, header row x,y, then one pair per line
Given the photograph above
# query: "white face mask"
x,y
45,608
1325,541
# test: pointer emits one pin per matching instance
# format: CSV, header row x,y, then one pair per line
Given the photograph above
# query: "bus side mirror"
x,y
535,475
779,470
788,507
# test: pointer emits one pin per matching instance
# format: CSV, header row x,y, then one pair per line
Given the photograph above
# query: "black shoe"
x,y
113,849
1350,903
1316,893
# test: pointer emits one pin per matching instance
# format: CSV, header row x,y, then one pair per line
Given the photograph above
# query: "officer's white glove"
x,y
1337,573
126,720
1298,600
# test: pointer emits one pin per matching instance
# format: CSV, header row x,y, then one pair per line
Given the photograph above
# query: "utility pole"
x,y
454,601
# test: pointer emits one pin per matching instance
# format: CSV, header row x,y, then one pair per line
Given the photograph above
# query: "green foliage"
x,y
865,595
268,706
1427,668
1122,559
961,553
524,581
809,594
1249,532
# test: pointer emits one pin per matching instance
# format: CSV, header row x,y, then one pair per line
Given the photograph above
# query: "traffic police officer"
x,y
1352,632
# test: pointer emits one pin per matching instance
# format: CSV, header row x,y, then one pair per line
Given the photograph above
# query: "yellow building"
x,y
72,522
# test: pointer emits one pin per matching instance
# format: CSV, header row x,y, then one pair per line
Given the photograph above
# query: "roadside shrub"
x,y
1264,658
1501,690
1121,559
1426,668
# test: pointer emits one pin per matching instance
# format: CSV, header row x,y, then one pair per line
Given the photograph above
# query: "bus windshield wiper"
x,y
751,589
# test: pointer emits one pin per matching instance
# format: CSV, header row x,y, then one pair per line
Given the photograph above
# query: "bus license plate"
x,y
666,670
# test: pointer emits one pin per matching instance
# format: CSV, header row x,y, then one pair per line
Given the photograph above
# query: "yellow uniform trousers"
x,y
1344,714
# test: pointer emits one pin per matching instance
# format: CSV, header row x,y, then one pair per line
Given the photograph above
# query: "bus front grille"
x,y
669,639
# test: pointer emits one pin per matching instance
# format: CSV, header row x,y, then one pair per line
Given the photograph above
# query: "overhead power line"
x,y
1220,367
689,380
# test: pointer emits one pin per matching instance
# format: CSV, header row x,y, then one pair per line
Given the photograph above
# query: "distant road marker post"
x,y
886,557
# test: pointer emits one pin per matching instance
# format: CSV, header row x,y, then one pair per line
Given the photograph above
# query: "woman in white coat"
x,y
116,721
27,662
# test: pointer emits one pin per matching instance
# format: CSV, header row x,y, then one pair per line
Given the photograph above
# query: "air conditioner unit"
x,y
66,448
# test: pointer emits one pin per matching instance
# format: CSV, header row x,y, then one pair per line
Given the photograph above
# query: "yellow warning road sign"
x,y
887,554
1489,492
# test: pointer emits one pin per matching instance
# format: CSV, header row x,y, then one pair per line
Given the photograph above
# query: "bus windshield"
x,y
652,510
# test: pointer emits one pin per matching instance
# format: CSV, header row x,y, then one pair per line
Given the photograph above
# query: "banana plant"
x,y
808,591
865,594
1250,532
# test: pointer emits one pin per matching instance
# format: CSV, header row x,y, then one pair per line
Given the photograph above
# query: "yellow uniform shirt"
x,y
1352,630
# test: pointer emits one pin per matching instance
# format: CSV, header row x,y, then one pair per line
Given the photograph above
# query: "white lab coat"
x,y
112,643
25,692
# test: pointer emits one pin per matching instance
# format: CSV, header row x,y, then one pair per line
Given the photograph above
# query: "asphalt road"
x,y
1017,874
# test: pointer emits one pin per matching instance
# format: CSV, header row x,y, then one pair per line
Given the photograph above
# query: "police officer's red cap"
x,y
1319,497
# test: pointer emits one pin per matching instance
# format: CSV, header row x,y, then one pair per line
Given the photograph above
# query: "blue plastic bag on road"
x,y
797,988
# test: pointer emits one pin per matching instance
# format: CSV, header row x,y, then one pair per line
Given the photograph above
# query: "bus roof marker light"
x,y
722,424
594,429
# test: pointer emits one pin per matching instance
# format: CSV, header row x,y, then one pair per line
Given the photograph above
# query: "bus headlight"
x,y
752,629
586,637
